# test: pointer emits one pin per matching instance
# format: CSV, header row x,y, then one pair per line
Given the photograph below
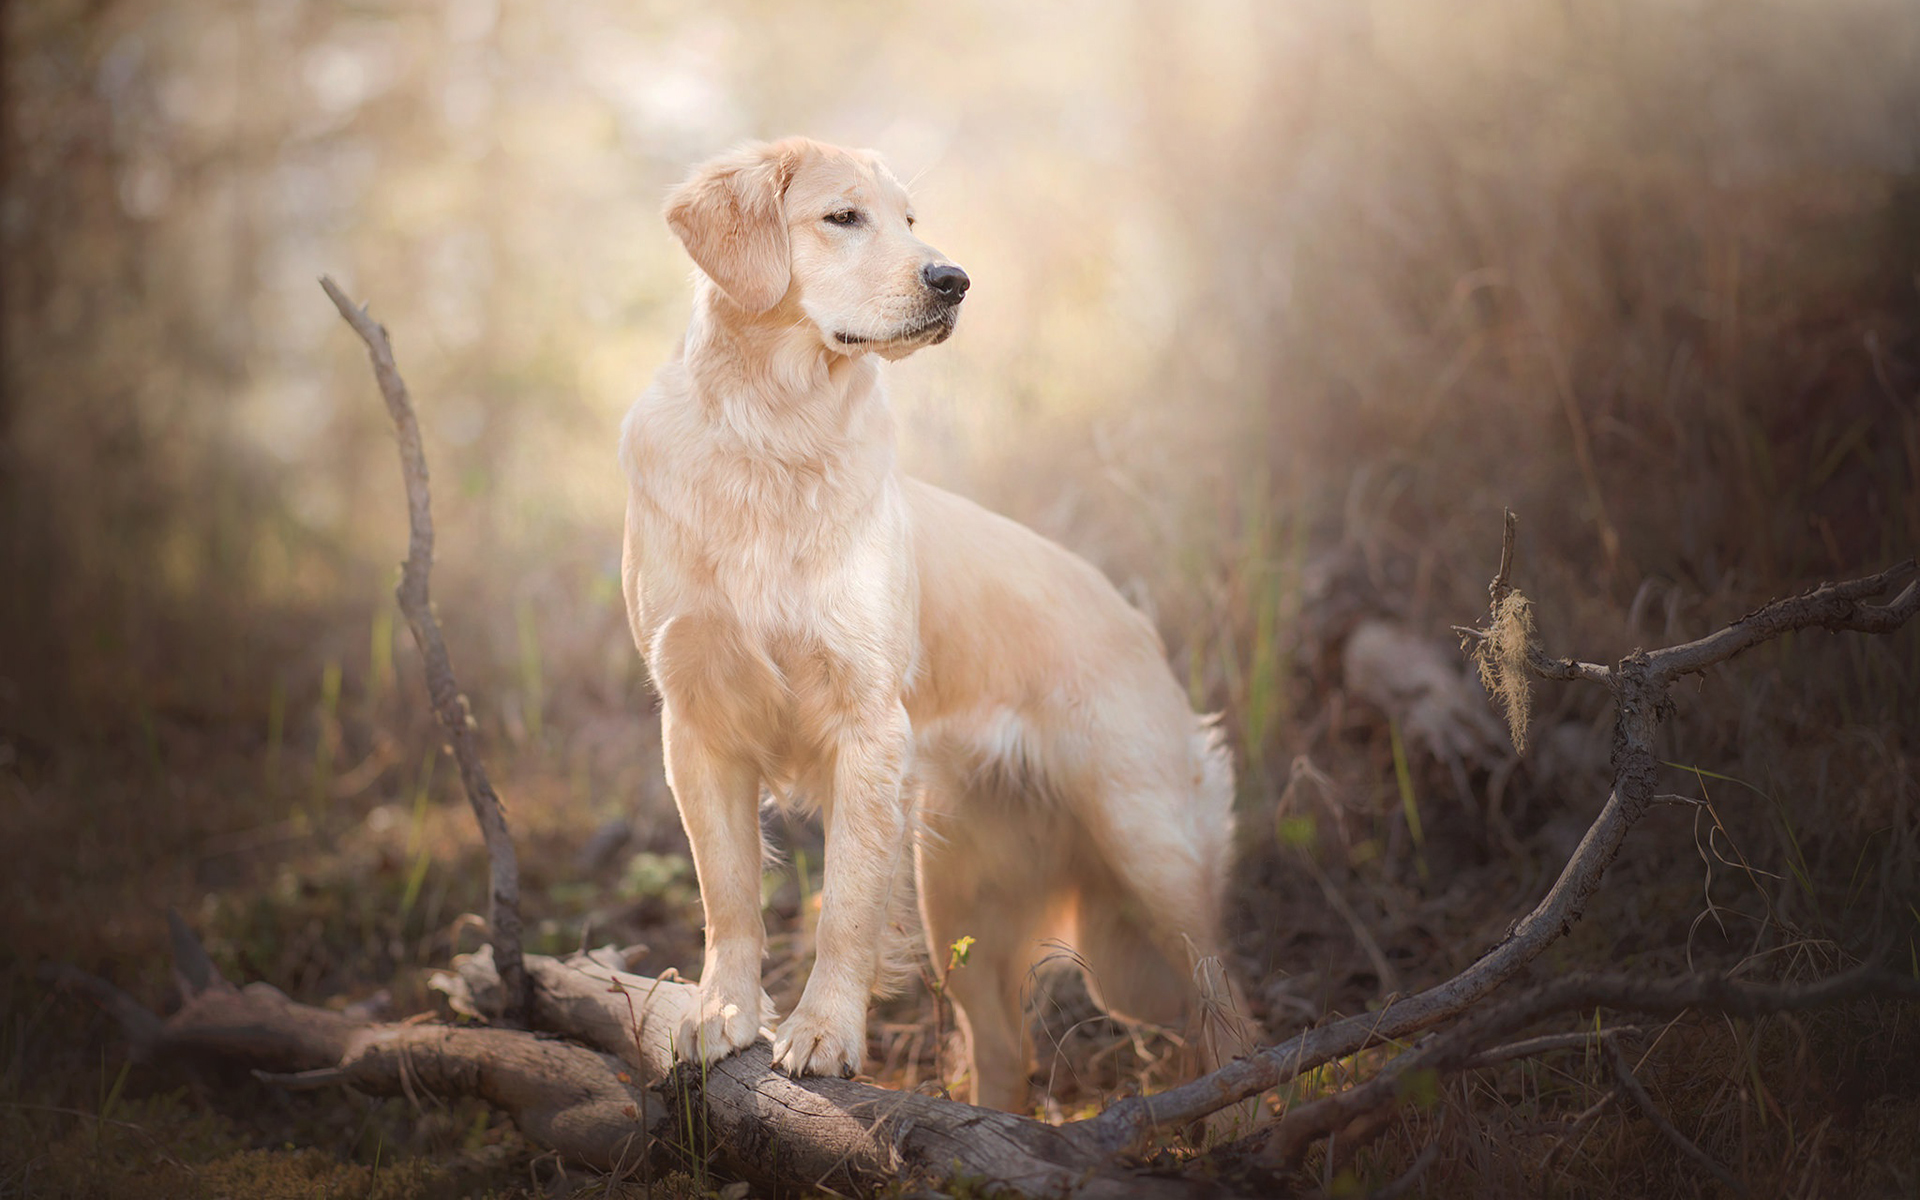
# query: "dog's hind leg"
x,y
971,887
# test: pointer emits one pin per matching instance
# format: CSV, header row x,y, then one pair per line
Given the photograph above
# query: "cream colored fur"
x,y
961,698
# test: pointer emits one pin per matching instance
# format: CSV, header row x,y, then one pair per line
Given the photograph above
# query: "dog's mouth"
x,y
928,332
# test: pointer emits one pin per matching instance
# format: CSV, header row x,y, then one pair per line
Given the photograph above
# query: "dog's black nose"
x,y
947,281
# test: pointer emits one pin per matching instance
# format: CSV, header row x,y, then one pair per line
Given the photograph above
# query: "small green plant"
x,y
1296,832
416,837
958,952
380,671
532,680
663,877
276,734
324,743
1409,803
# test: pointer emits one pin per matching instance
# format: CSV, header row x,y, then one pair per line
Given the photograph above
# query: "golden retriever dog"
x,y
945,686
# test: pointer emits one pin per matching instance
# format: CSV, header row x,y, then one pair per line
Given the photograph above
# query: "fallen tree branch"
x,y
577,1101
591,1103
819,1132
1463,1044
1839,607
449,703
1546,1044
1639,683
1576,1129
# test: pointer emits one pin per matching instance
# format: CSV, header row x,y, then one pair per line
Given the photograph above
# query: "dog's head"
x,y
825,231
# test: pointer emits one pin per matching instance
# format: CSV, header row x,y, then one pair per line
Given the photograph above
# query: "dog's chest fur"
x,y
766,556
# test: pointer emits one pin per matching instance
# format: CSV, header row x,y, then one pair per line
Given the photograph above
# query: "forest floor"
x,y
338,863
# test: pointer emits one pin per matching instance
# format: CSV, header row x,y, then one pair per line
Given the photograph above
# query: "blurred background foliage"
x,y
1276,307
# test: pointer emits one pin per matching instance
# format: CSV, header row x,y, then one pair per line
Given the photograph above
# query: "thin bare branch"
x,y
449,703
1500,586
1457,1047
1578,1039
1127,1122
1834,606
1537,661
1405,1182
1635,1092
1542,664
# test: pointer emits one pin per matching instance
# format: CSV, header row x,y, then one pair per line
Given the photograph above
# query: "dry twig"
x,y
449,703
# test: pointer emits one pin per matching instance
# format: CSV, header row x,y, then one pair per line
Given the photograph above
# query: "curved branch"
x,y
449,704
1838,607
1126,1123
1639,683
1461,1046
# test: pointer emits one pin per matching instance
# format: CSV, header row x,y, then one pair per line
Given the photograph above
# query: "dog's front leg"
x,y
719,800
866,836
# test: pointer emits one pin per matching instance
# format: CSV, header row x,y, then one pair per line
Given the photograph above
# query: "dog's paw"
x,y
815,1043
720,1026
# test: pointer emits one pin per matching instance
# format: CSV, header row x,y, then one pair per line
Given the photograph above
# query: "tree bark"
x,y
619,1102
818,1132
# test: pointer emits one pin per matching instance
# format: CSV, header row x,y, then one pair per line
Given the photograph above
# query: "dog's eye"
x,y
911,222
846,216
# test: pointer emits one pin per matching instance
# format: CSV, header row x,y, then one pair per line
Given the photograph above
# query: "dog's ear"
x,y
730,214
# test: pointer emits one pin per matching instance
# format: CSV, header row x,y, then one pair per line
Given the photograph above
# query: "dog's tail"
x,y
1222,1029
1213,790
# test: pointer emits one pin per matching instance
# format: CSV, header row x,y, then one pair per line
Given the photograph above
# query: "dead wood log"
x,y
609,1095
583,1103
819,1132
